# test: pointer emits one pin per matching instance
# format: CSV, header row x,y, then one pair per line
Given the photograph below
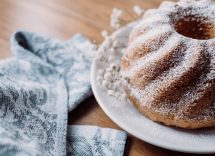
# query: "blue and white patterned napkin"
x,y
38,86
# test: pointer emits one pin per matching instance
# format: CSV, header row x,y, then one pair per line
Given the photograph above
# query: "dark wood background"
x,y
62,19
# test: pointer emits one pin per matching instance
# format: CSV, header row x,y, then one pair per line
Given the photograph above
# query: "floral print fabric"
x,y
38,86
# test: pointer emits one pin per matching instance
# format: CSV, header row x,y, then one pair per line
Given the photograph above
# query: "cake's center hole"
x,y
195,26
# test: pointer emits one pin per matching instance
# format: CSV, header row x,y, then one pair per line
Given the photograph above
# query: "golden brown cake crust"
x,y
168,120
168,69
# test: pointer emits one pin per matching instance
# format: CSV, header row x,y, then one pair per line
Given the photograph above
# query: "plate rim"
x,y
129,129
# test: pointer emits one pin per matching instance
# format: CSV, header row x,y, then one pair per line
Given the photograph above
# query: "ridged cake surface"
x,y
168,68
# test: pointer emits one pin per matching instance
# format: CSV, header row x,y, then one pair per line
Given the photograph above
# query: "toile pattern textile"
x,y
44,80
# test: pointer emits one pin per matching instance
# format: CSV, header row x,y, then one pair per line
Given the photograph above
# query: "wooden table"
x,y
62,19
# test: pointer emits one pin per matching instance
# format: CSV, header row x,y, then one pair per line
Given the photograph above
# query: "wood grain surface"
x,y
62,19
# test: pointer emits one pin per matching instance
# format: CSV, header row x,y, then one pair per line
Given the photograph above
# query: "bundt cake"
x,y
168,68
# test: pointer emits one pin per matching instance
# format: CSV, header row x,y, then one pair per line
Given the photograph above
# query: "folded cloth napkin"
x,y
38,86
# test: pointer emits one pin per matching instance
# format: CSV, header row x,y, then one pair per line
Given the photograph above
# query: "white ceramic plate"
x,y
129,119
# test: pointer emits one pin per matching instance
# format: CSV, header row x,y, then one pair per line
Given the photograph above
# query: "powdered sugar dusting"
x,y
150,59
196,63
152,33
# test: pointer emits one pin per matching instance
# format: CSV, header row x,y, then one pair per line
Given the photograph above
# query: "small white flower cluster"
x,y
115,21
110,77
110,55
104,33
138,10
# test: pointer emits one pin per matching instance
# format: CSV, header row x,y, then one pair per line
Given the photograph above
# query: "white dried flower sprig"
x,y
138,10
115,18
115,21
109,77
104,33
